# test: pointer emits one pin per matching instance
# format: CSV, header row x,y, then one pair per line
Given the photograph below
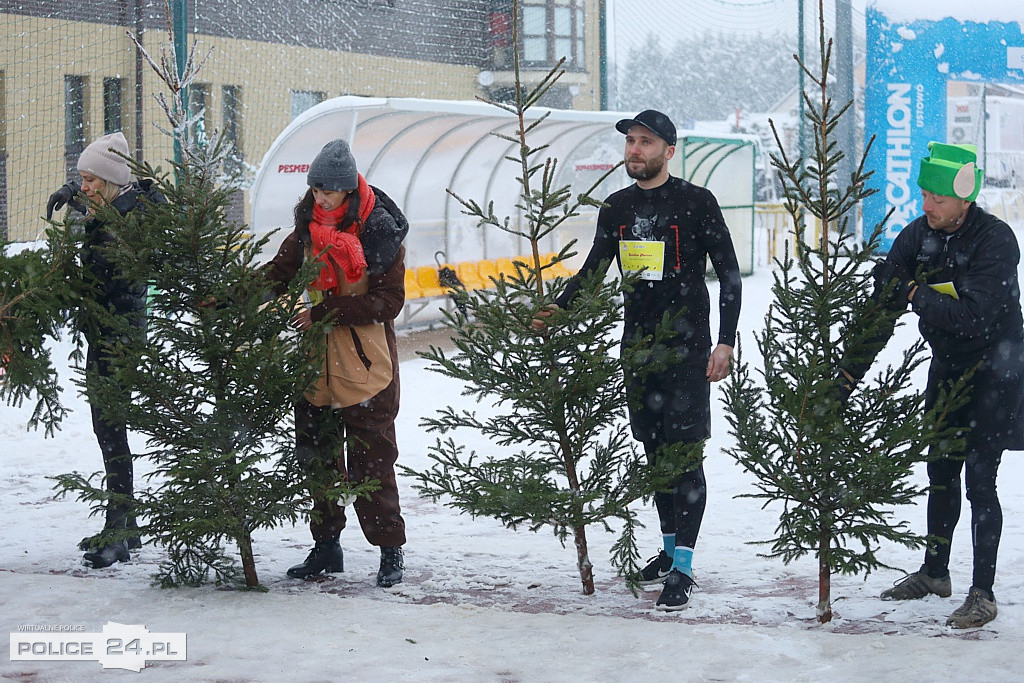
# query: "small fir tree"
x,y
837,464
560,392
38,288
217,377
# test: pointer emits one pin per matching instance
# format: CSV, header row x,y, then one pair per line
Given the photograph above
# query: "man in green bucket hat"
x,y
956,267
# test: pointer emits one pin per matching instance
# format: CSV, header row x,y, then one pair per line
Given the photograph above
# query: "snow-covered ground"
x,y
484,603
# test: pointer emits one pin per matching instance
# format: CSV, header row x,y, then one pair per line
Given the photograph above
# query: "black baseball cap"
x,y
654,121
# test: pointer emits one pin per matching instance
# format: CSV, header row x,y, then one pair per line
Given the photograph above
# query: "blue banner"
x,y
908,66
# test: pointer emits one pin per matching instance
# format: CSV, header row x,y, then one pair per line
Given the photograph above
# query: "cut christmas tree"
x,y
562,454
839,465
215,380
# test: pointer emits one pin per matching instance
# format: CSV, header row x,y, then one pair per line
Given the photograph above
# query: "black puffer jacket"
x,y
979,331
980,260
115,293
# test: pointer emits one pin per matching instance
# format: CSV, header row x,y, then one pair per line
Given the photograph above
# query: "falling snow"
x,y
484,603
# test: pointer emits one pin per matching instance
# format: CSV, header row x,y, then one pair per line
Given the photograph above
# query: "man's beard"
x,y
649,170
947,225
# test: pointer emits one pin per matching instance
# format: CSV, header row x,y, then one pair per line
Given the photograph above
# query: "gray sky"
x,y
631,21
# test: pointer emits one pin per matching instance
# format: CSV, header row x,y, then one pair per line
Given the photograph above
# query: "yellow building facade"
x,y
66,80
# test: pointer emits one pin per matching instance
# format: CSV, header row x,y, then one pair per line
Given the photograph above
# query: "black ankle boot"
x,y
326,556
392,564
96,541
107,555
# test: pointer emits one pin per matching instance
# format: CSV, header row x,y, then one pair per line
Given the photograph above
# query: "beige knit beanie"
x,y
101,159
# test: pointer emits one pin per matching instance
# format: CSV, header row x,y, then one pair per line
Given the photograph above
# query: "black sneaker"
x,y
326,556
656,570
917,585
977,610
392,566
676,593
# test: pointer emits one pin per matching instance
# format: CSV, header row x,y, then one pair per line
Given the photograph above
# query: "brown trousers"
x,y
359,443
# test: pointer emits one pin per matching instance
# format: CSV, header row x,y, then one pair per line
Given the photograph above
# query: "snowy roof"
x,y
981,11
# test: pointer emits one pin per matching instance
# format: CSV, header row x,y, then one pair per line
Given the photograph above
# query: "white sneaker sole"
x,y
653,582
671,608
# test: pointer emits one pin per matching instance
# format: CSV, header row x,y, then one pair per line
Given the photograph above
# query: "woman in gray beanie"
x,y
345,424
106,180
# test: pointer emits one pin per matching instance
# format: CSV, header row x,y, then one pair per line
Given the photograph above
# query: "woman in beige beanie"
x,y
103,166
107,180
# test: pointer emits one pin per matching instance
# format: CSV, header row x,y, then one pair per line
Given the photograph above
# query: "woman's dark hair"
x,y
304,214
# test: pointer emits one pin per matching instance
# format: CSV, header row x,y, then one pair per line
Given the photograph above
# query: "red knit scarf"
x,y
346,251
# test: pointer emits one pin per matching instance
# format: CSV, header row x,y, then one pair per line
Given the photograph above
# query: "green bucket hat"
x,y
951,170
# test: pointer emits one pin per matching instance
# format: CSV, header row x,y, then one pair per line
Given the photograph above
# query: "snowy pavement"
x,y
481,602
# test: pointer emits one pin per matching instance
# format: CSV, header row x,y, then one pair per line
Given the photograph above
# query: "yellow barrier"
x,y
469,274
776,226
429,282
412,288
424,282
557,270
488,272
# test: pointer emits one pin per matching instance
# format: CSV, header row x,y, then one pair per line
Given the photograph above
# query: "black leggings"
x,y
112,437
986,513
681,510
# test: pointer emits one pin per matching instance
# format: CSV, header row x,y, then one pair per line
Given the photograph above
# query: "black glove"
x,y
65,195
845,384
901,293
878,270
885,274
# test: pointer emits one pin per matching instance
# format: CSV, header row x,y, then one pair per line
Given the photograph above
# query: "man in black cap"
x,y
666,228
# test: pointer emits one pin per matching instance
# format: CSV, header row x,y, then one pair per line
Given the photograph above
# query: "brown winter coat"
x,y
361,355
361,359
357,363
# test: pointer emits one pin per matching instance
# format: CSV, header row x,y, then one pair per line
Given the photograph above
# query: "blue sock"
x,y
669,542
683,560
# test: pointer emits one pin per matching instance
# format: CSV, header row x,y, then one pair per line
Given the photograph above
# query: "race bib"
x,y
646,258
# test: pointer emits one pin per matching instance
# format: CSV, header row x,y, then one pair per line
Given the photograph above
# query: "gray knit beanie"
x,y
334,168
101,159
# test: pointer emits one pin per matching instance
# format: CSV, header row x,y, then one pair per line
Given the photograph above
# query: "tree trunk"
x,y
824,608
583,559
248,561
579,532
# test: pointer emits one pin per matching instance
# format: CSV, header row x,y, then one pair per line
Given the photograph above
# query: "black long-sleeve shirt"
x,y
687,219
